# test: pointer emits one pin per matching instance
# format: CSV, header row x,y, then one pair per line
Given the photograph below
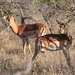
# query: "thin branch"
x,y
47,21
2,33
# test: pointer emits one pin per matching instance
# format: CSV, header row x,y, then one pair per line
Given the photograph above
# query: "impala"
x,y
51,42
26,31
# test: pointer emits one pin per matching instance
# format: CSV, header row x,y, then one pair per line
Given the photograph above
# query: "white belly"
x,y
50,48
54,45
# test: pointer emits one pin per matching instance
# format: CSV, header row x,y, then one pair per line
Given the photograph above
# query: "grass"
x,y
52,63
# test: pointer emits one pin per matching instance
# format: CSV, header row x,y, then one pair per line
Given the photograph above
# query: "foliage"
x,y
5,14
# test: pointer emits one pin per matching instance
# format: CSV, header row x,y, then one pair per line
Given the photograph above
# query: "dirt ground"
x,y
51,63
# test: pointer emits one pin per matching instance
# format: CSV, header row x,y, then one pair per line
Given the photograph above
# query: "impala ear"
x,y
59,23
13,15
9,17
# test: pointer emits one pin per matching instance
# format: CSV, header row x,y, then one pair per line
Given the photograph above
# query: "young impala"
x,y
52,42
26,31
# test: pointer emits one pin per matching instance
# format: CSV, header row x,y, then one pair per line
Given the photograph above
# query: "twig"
x,y
23,17
21,11
2,33
47,21
4,19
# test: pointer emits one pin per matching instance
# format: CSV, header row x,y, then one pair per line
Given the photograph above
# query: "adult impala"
x,y
26,31
52,42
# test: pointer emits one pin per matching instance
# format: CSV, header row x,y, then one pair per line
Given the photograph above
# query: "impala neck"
x,y
14,26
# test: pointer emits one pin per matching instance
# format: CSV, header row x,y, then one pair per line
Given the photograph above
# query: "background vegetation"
x,y
46,12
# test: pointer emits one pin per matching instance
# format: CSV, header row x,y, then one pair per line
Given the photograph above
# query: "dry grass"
x,y
12,58
51,63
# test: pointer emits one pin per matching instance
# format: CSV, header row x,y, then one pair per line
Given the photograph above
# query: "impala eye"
x,y
8,19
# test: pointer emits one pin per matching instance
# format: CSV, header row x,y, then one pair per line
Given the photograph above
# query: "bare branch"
x,y
2,33
47,21
6,12
21,11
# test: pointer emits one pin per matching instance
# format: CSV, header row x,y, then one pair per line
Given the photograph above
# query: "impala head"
x,y
62,27
10,19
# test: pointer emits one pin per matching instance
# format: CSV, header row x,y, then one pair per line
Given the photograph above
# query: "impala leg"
x,y
67,56
43,32
28,44
42,52
68,53
24,47
68,61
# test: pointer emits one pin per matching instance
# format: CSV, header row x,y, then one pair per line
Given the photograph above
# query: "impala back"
x,y
31,30
54,41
